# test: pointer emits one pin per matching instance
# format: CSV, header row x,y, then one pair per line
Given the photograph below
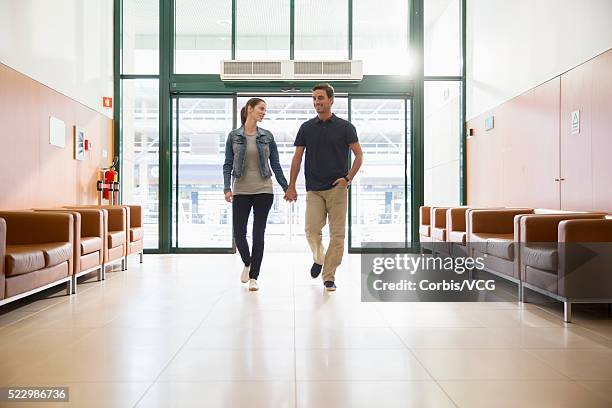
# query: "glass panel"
x,y
443,37
140,138
262,29
204,218
378,195
203,36
442,142
380,36
316,37
285,115
140,34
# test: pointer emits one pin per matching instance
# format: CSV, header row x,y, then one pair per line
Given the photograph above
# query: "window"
x,y
140,35
321,29
380,36
442,38
203,36
262,29
140,168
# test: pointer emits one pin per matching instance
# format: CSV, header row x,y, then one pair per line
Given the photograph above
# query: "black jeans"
x,y
241,207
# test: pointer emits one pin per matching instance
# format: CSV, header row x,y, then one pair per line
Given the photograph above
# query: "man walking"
x,y
326,139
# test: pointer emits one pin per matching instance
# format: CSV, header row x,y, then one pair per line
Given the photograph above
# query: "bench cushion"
x,y
135,234
90,244
116,238
22,259
56,252
544,257
457,236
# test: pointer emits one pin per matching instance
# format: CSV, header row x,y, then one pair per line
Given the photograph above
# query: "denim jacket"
x,y
235,150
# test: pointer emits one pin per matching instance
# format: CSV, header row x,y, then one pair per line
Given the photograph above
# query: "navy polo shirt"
x,y
327,150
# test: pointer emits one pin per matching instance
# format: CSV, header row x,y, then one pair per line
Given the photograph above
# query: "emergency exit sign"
x,y
107,102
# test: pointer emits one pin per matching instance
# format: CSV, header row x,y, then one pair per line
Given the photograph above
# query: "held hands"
x,y
229,197
290,194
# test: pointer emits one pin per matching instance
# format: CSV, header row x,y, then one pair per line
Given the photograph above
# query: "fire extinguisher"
x,y
108,183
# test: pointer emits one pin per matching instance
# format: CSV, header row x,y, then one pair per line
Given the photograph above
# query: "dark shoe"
x,y
330,286
315,271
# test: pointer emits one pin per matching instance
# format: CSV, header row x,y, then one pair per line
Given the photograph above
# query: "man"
x,y
326,139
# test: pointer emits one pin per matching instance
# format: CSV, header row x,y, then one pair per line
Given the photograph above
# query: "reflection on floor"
x,y
181,331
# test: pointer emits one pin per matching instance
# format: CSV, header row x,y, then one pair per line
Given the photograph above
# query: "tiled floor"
x,y
182,331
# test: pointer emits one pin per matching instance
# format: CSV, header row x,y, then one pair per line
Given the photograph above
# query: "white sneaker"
x,y
253,285
244,276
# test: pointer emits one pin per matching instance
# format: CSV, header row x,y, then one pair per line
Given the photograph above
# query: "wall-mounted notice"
x,y
575,122
489,123
57,132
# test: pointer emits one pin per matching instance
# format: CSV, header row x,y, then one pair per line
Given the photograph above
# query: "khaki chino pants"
x,y
321,206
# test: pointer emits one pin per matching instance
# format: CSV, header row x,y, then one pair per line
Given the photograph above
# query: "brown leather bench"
x,y
558,257
135,237
456,233
88,241
491,237
425,227
438,230
38,252
115,220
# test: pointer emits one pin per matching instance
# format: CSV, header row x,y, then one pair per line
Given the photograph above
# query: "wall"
x,y
532,158
513,46
64,44
34,173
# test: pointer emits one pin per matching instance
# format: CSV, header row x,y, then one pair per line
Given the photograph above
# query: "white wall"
x,y
514,45
64,44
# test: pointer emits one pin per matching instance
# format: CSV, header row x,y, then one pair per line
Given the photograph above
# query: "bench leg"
x,y
69,286
567,312
141,256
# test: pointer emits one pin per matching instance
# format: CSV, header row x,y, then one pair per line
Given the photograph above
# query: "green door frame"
x,y
407,98
175,247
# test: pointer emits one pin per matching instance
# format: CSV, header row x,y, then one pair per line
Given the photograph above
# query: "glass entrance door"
x,y
380,194
201,217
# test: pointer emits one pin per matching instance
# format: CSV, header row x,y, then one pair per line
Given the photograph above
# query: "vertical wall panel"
x,y
516,163
576,169
34,173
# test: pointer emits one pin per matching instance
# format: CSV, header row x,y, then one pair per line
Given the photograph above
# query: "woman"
x,y
247,153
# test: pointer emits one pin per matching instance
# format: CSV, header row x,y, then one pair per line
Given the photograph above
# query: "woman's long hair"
x,y
253,102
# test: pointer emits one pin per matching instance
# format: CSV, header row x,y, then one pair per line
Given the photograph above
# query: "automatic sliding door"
x,y
202,218
380,194
285,115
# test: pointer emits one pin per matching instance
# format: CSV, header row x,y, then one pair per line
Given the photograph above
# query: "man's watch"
x,y
347,179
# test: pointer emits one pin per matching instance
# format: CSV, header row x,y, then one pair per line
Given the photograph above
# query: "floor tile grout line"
x,y
531,353
64,299
423,365
212,307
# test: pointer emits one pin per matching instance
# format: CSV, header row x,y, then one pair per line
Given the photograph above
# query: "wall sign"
x,y
489,123
575,122
57,132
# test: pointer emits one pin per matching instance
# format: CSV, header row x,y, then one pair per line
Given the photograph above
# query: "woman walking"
x,y
250,152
